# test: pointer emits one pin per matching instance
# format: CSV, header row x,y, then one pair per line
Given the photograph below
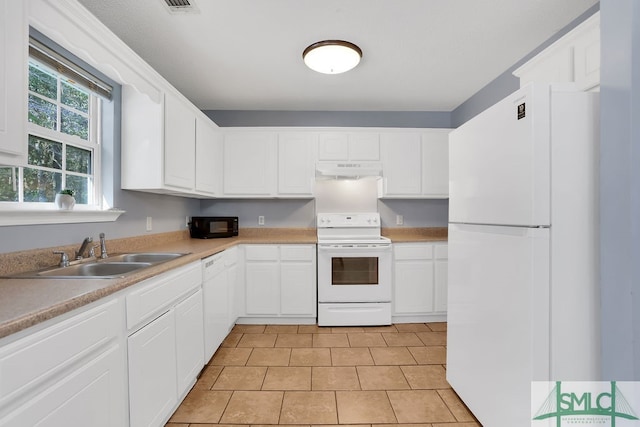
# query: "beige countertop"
x,y
422,234
27,302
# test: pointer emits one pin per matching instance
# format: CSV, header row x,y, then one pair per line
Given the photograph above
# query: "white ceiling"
x,y
418,55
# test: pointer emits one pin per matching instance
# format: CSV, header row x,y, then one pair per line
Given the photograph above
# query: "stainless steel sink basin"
x,y
95,269
152,257
110,268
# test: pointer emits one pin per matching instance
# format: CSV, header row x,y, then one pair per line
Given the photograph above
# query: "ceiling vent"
x,y
181,6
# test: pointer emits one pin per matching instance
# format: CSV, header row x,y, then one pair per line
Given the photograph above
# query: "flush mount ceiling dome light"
x,y
332,56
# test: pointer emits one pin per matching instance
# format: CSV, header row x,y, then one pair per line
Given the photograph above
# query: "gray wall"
x,y
620,189
400,119
301,213
506,83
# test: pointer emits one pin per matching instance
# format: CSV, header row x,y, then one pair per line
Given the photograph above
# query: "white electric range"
x,y
354,270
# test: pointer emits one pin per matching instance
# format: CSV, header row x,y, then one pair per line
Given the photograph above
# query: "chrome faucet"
x,y
83,247
103,247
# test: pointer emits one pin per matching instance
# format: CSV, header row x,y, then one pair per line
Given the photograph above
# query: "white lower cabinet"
x,y
280,283
189,342
153,372
71,373
262,280
166,347
420,282
298,280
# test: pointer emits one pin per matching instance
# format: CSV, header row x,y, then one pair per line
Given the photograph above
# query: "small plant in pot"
x,y
65,200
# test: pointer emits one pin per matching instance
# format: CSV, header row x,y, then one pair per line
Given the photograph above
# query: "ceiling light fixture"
x,y
332,56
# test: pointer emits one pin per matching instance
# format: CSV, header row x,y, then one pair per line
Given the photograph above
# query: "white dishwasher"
x,y
216,307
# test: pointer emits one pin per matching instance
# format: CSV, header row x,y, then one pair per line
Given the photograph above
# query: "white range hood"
x,y
348,170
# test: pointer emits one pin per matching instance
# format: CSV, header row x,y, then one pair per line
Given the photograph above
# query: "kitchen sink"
x,y
110,268
151,257
107,270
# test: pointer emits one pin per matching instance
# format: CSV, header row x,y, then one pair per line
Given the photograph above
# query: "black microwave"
x,y
212,227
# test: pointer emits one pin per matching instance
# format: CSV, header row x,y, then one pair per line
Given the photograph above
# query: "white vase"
x,y
65,202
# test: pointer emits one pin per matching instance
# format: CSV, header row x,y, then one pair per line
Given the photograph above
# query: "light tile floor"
x,y
305,375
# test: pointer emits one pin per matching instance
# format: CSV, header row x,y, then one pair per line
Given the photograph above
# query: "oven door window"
x,y
354,271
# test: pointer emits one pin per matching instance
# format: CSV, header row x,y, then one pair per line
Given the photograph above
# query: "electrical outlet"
x,y
186,222
149,223
399,220
261,220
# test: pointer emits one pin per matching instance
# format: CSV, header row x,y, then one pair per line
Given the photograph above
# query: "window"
x,y
63,147
64,112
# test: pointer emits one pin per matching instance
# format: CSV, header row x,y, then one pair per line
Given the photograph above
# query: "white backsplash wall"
x,y
347,195
415,213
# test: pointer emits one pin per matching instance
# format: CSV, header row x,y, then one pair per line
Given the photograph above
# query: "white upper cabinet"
x,y
575,57
159,152
179,143
296,164
348,146
208,158
435,163
415,164
250,164
13,82
402,164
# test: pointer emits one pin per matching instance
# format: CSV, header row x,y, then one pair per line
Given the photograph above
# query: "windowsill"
x,y
55,216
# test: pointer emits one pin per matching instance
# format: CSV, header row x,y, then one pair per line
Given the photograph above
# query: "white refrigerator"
x,y
523,250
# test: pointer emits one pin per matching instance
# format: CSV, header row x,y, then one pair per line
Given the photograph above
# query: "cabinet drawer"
x,y
158,293
27,362
441,251
412,251
297,252
261,253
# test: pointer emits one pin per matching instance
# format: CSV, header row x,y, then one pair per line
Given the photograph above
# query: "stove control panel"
x,y
348,220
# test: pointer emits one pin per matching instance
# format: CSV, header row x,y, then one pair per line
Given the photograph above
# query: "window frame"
x,y
93,144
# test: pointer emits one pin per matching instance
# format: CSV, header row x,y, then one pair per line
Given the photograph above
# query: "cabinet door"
x,y
13,82
296,164
364,146
179,143
333,146
413,287
435,163
413,278
297,288
208,158
402,162
142,147
152,372
189,340
250,163
262,288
